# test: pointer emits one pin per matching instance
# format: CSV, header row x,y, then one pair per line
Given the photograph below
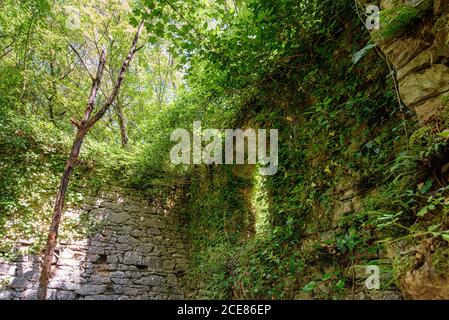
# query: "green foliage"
x,y
395,20
340,127
33,158
355,174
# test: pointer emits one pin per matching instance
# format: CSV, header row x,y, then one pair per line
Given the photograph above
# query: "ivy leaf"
x,y
445,237
423,212
152,39
426,187
340,284
309,287
433,227
133,21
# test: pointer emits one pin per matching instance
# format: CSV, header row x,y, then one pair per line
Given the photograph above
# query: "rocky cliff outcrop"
x,y
139,253
414,36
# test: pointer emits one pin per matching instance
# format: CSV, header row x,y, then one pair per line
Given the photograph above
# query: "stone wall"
x,y
420,56
138,254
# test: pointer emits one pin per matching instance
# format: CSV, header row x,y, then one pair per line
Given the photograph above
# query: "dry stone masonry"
x,y
138,254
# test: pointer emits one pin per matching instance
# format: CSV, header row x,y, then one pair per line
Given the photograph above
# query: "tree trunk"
x,y
122,122
59,206
83,128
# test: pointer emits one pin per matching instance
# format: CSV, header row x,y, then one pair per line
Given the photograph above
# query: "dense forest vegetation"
x,y
360,182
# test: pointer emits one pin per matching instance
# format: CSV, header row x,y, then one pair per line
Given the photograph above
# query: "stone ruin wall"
x,y
139,254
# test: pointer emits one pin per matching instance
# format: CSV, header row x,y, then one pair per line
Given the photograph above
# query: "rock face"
x,y
138,254
425,281
421,86
421,58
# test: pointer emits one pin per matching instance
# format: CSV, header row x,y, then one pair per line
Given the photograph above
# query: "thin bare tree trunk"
x,y
51,100
122,122
83,128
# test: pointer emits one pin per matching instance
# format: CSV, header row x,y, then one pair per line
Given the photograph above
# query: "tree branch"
x,y
95,86
120,78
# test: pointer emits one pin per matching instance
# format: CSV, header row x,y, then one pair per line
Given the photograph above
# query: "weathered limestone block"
x,y
134,207
152,280
7,269
419,4
6,295
20,283
402,51
127,239
441,31
114,258
145,248
153,262
430,108
68,262
63,272
89,289
100,297
153,231
138,233
64,285
118,217
97,249
101,213
65,295
154,222
123,246
168,264
418,85
427,84
110,195
423,284
31,275
118,289
99,279
422,5
67,254
440,6
388,4
157,249
159,289
119,282
133,258
92,201
29,294
112,205
133,290
422,61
